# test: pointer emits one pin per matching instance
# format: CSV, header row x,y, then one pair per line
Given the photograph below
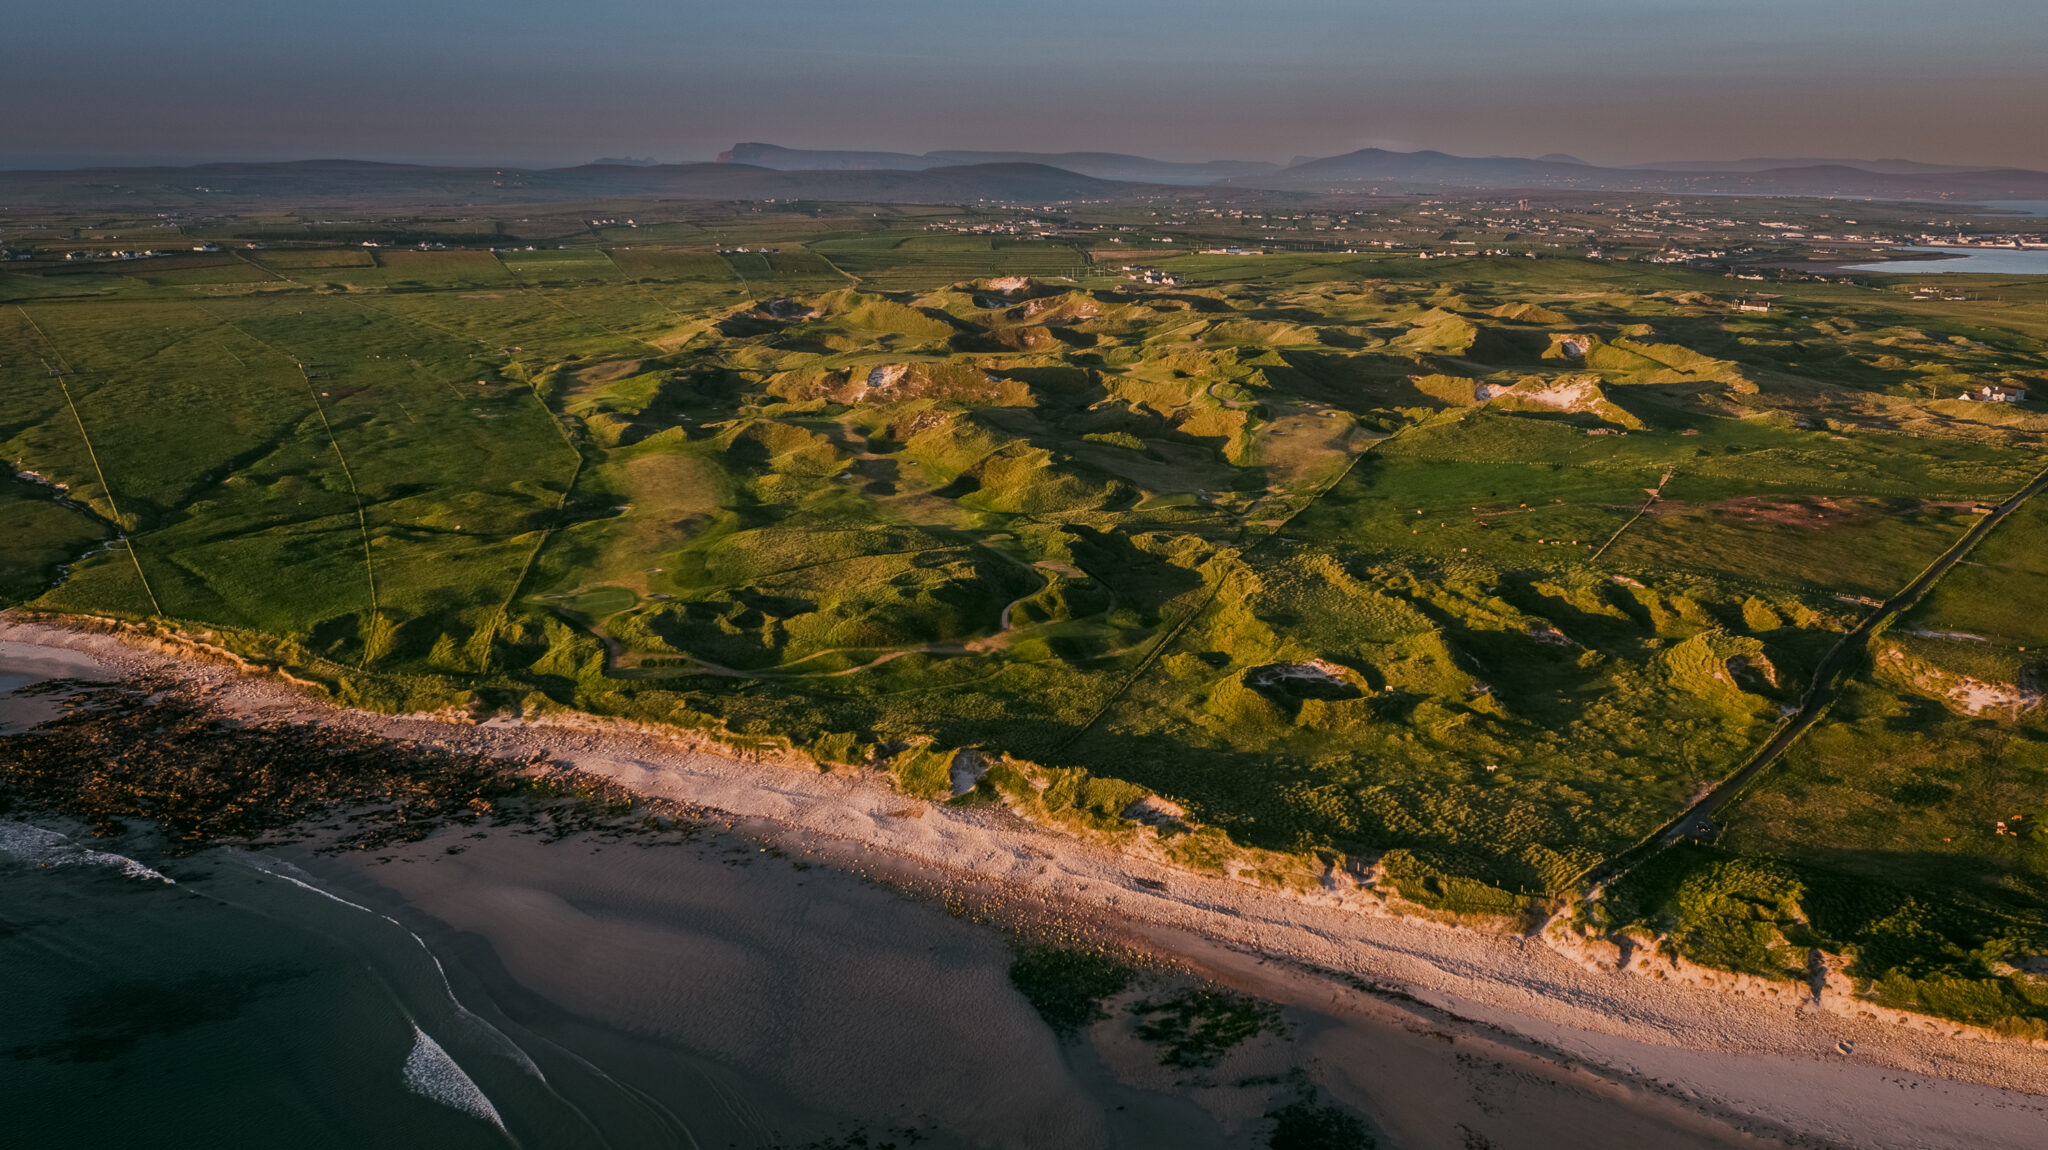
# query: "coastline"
x,y
1782,1068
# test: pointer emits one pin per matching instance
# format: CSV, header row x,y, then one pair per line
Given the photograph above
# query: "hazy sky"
x,y
527,82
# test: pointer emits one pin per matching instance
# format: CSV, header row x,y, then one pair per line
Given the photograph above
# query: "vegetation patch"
x,y
1968,959
1069,988
1306,1124
1194,1028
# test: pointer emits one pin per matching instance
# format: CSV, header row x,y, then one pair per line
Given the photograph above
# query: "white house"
x,y
1996,393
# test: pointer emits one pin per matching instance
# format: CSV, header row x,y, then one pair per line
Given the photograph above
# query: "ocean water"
x,y
2023,207
203,1011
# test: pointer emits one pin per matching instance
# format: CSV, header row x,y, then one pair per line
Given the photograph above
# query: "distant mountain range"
x,y
1890,179
1101,165
765,171
344,183
1412,171
1888,167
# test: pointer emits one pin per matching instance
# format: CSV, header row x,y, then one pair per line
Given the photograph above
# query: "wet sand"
x,y
830,998
1437,1035
852,999
24,663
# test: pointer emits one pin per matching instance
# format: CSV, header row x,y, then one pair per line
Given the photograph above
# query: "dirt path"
x,y
61,370
1697,819
1232,404
347,473
1656,493
314,393
850,277
485,647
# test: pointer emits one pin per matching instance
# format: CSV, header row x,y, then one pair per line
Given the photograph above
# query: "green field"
x,y
1468,574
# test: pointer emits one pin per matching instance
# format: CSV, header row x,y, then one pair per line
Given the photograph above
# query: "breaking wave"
x,y
46,848
431,1073
277,868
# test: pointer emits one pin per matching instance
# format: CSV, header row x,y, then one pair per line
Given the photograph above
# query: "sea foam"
x,y
509,1048
431,1073
45,848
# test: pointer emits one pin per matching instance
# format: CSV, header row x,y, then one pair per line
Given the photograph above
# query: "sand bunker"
x,y
1314,679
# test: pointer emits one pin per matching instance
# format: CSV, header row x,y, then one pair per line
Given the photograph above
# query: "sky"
x,y
526,82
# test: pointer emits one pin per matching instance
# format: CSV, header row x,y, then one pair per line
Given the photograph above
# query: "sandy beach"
x,y
1380,997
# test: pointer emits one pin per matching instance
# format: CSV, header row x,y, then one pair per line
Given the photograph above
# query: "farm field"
x,y
1459,576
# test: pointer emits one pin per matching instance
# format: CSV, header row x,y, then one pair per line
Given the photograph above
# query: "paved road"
x,y
1698,819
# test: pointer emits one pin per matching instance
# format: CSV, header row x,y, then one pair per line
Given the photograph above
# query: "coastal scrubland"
x,y
1457,577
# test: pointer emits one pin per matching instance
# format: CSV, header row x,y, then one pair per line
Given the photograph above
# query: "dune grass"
x,y
1339,552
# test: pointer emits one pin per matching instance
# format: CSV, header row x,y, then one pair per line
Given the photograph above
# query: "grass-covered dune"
x,y
1464,575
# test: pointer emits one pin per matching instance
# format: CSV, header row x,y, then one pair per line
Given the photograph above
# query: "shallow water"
x,y
21,665
2023,207
1964,261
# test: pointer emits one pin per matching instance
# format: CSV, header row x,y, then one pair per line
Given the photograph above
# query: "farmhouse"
x,y
1753,305
1996,393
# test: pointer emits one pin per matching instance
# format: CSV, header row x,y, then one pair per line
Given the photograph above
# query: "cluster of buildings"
x,y
123,254
1684,256
1995,393
1024,227
1967,240
1149,275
